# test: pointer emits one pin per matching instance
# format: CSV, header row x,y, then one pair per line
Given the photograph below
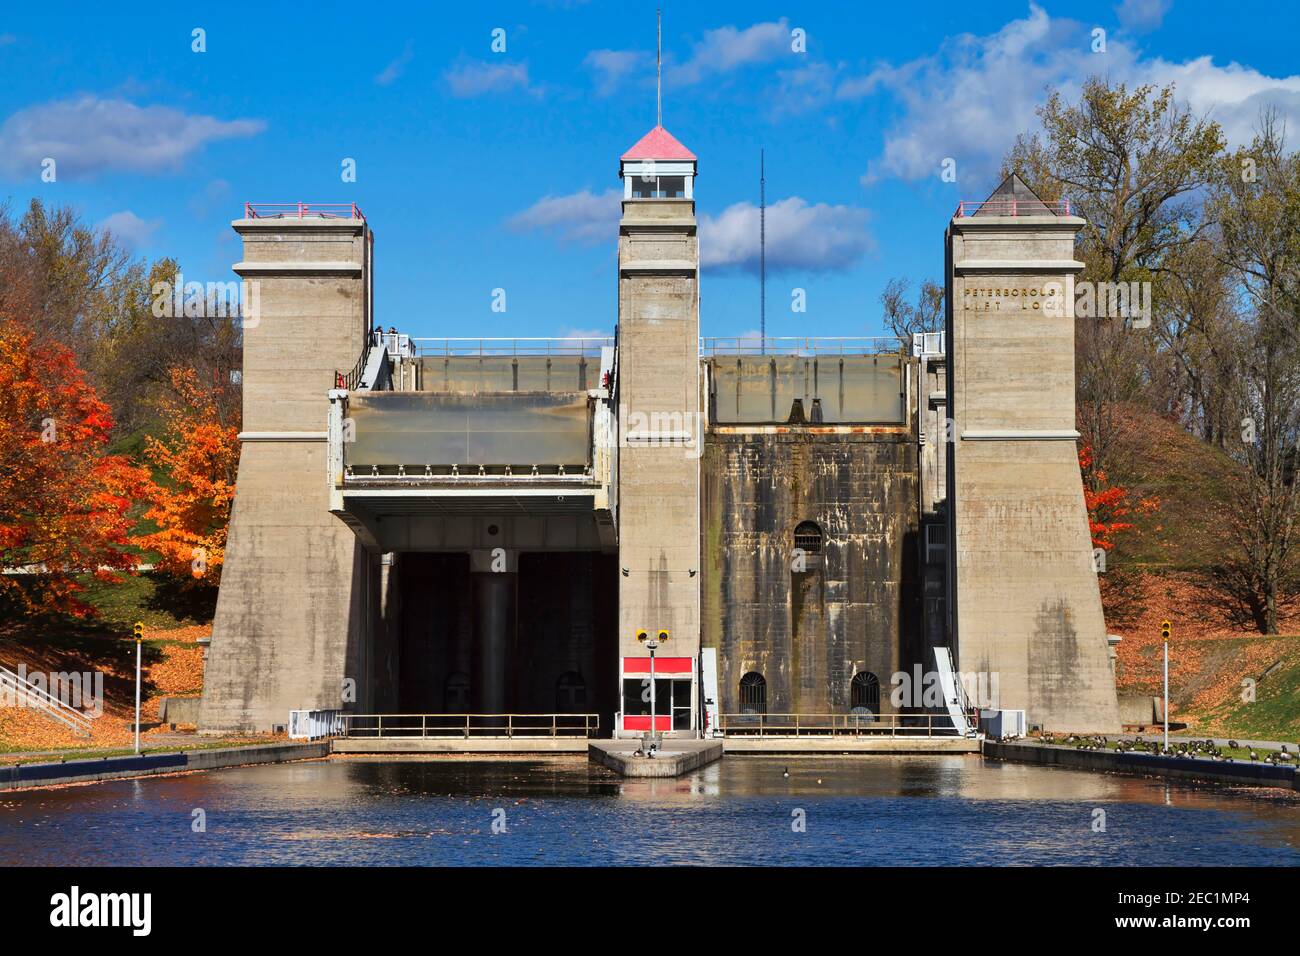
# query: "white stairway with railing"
x,y
16,691
954,693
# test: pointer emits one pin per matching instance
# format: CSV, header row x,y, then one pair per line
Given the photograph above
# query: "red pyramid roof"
x,y
659,144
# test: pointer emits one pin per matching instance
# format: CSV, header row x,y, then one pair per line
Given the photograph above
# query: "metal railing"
x,y
316,724
349,380
1013,207
26,694
800,345
302,210
927,344
835,725
398,344
575,345
465,726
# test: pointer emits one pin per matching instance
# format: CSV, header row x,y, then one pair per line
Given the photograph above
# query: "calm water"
x,y
874,810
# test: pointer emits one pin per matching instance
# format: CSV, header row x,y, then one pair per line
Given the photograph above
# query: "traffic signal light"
x,y
642,636
138,629
1165,629
663,636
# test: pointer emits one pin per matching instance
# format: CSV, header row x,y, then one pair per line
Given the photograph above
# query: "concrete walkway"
x,y
851,744
460,745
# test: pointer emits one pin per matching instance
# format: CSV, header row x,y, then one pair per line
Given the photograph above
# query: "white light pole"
x,y
651,645
1165,630
139,641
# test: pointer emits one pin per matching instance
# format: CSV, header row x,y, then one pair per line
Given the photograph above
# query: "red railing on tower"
x,y
302,210
1012,207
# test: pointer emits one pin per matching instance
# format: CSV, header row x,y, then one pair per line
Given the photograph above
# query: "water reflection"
x,y
743,810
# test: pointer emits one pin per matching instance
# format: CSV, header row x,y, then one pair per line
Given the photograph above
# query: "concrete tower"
x,y
296,587
1025,604
660,435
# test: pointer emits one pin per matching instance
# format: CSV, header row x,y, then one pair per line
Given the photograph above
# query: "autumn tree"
x,y
197,457
903,317
1132,163
78,285
1256,208
64,502
1112,509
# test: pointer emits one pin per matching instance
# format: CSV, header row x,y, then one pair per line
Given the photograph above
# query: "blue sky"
x,y
481,170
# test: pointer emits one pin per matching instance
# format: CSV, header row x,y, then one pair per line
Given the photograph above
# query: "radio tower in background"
x,y
762,253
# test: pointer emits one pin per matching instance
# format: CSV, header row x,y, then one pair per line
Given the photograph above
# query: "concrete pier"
x,y
494,638
678,757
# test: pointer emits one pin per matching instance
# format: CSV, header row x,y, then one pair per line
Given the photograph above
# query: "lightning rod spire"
x,y
659,68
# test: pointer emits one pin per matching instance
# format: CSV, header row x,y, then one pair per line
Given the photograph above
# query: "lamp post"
x,y
1165,630
139,641
651,645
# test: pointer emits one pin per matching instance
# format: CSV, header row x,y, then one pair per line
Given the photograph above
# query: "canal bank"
x,y
1200,770
95,769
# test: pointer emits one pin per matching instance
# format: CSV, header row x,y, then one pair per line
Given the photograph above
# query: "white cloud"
x,y
568,332
397,67
584,216
1142,15
971,98
716,53
813,237
130,228
613,66
87,135
803,89
1233,95
727,48
480,77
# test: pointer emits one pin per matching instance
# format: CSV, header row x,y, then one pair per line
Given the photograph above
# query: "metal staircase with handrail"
x,y
27,694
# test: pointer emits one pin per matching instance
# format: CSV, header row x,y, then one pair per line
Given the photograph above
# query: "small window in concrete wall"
x,y
808,537
570,693
864,694
456,693
753,694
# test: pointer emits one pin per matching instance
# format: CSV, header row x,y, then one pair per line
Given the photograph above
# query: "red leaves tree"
x,y
199,456
1109,506
63,500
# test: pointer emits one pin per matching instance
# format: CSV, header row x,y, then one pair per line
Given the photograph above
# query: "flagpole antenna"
x,y
659,68
762,252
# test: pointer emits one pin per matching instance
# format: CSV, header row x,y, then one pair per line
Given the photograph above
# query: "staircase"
x,y
959,707
23,693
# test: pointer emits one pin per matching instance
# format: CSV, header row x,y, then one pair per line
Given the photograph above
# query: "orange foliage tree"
x,y
1109,506
63,499
198,455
